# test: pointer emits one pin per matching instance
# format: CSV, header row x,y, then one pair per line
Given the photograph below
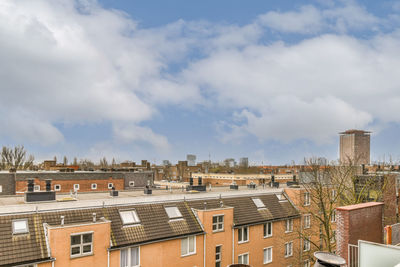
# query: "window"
x,y
333,216
76,187
333,237
110,185
268,229
131,183
243,259
173,212
94,186
333,194
81,244
289,225
20,226
307,221
306,244
36,188
258,202
1,188
218,223
130,257
306,198
267,255
218,256
307,263
57,187
129,217
288,249
243,234
188,245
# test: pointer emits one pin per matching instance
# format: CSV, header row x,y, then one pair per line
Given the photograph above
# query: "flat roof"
x,y
360,206
354,131
16,204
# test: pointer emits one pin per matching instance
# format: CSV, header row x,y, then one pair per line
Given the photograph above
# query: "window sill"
x,y
267,236
243,242
187,255
81,255
288,256
217,231
266,263
287,232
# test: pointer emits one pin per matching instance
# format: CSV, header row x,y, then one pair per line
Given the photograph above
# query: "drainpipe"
x,y
233,245
204,250
108,258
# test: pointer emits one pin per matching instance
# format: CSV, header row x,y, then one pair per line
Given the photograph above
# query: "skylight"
x,y
259,204
129,217
173,212
20,226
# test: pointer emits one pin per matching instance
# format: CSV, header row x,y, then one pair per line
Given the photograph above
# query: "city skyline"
x,y
272,81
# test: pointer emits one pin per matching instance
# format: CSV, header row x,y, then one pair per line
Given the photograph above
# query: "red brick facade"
x,y
355,222
67,185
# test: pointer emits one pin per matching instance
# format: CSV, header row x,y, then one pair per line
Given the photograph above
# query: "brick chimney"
x,y
361,221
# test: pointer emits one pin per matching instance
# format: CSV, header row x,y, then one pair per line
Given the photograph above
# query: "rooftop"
x,y
354,131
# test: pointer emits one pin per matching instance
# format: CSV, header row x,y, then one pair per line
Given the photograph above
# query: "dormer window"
x,y
20,226
173,213
259,204
129,217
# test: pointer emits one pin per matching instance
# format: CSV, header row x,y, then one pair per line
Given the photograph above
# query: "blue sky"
x,y
274,81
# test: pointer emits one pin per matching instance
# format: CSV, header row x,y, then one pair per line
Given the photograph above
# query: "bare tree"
x,y
75,162
15,158
103,163
65,161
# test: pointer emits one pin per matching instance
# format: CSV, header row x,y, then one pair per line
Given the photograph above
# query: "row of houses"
x,y
65,182
259,229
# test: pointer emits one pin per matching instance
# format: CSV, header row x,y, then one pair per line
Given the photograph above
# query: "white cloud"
x,y
308,19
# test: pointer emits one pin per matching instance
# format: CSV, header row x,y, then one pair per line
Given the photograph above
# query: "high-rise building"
x,y
191,159
244,162
355,147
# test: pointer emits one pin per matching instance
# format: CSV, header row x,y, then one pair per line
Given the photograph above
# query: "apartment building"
x,y
224,179
256,229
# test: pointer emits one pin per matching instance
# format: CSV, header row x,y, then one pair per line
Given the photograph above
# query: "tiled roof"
x,y
154,224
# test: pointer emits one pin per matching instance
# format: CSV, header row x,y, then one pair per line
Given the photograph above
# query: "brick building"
x,y
256,229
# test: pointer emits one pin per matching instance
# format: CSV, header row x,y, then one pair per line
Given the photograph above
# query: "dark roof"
x,y
245,211
155,224
354,131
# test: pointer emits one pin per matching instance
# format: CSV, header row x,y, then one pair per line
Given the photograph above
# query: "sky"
x,y
274,81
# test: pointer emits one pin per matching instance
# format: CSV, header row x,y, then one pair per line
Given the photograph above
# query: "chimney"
x,y
31,184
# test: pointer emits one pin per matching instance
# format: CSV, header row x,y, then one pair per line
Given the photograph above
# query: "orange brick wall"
x,y
68,185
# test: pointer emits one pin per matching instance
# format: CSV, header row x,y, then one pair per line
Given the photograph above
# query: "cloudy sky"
x,y
273,80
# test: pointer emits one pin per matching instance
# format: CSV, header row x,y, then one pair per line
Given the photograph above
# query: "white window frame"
x,y
81,245
110,185
173,209
218,256
333,237
15,231
219,225
240,258
241,236
333,216
36,188
288,249
289,226
131,183
307,221
259,203
192,237
93,186
265,229
266,260
306,196
76,187
129,251
333,194
55,187
133,213
306,244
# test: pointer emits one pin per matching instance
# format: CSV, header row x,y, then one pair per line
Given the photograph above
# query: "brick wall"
x,y
7,184
360,221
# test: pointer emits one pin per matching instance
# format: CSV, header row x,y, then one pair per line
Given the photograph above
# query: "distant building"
x,y
355,147
244,162
166,162
230,163
191,159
